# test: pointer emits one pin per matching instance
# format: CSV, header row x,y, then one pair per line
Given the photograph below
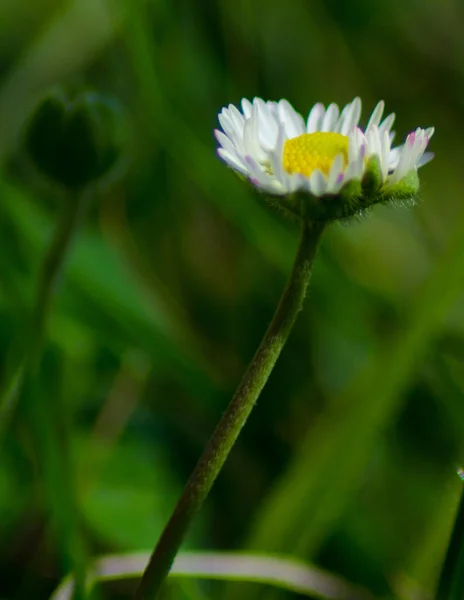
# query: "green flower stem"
x,y
46,287
451,582
46,415
229,427
51,272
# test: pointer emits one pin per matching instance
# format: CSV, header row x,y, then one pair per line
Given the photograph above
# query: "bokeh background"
x,y
349,459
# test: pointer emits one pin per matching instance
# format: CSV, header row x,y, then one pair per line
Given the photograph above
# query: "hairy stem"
x,y
229,427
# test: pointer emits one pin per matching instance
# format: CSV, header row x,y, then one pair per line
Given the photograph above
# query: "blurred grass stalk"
x,y
46,288
194,158
96,273
451,581
44,411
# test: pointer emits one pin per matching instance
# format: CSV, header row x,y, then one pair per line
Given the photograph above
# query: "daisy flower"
x,y
327,156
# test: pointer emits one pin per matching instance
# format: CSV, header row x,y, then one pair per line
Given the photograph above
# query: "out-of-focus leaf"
x,y
97,273
276,571
328,468
127,502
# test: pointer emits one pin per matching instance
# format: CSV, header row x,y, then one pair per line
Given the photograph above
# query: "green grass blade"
x,y
278,571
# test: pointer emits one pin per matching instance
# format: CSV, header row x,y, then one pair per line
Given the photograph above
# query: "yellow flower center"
x,y
311,151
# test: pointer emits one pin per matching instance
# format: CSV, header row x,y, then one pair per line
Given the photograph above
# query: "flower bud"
x,y
74,141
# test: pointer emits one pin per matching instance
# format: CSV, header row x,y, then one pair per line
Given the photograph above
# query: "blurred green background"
x,y
349,459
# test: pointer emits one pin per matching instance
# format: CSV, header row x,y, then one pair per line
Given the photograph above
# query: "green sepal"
x,y
353,199
350,197
310,208
290,206
372,179
405,189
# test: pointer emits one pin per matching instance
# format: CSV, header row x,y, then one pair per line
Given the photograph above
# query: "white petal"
x,y
356,112
293,121
236,116
356,144
404,160
425,158
421,143
411,154
250,139
315,118
295,182
225,142
268,123
246,107
317,183
352,117
385,154
233,161
373,141
341,119
276,155
256,174
330,118
273,108
394,157
333,182
226,123
387,123
262,180
272,187
355,168
230,129
254,169
429,132
341,180
376,115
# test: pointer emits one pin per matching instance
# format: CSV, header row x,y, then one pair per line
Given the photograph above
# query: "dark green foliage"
x,y
349,460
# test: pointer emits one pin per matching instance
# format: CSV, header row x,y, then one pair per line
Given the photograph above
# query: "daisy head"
x,y
325,167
